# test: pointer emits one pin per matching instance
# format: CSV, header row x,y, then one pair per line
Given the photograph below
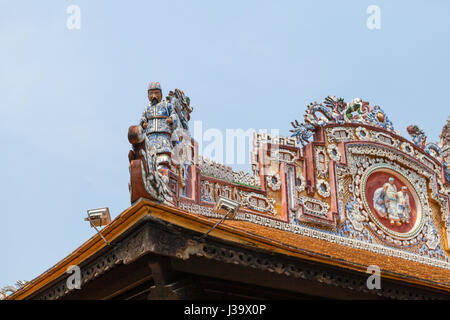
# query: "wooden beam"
x,y
117,281
247,275
161,269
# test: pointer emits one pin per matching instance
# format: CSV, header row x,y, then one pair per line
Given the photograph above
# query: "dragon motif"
x,y
420,139
440,152
418,136
331,111
11,289
335,110
356,106
302,131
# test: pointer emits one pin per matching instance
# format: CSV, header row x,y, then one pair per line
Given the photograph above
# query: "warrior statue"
x,y
159,120
157,143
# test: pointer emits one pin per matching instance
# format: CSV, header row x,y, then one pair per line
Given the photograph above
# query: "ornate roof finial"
x,y
445,136
6,291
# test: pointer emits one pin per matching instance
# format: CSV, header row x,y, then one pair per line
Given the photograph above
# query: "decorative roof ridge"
x,y
336,111
221,171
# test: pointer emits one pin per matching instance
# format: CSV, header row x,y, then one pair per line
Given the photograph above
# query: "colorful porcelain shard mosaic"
x,y
344,176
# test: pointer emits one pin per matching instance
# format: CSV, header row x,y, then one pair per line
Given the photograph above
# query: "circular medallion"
x,y
392,202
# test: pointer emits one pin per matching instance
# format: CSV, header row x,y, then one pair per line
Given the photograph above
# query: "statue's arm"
x,y
143,120
172,119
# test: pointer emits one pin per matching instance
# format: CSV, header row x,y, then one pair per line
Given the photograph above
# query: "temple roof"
x,y
345,191
248,235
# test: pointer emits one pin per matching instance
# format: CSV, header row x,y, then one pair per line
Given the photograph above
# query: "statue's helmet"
x,y
154,86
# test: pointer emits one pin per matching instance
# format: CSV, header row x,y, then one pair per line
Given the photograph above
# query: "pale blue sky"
x,y
67,97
